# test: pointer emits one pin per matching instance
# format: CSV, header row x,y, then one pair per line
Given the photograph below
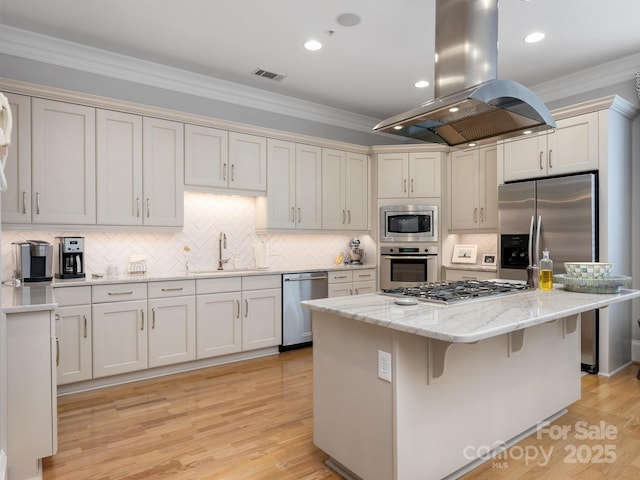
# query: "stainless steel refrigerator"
x,y
558,214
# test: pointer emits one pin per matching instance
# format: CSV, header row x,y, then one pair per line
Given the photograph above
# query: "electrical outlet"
x,y
384,365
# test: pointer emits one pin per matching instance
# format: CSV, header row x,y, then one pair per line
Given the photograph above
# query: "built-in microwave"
x,y
409,223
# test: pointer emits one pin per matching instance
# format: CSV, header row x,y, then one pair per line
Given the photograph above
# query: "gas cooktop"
x,y
447,292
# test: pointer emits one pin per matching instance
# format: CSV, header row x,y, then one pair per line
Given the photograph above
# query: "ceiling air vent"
x,y
267,74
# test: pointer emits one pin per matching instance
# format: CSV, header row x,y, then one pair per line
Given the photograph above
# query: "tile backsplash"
x,y
206,215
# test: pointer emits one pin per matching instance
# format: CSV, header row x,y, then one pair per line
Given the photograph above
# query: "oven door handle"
x,y
407,257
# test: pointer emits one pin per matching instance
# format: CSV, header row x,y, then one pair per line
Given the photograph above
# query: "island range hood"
x,y
471,105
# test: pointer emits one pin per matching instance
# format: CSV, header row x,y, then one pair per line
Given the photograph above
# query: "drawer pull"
x,y
130,292
362,275
173,289
340,276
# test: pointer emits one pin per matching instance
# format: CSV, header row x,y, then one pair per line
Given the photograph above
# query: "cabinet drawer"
x,y
218,285
469,275
119,292
261,282
171,288
66,296
364,275
340,277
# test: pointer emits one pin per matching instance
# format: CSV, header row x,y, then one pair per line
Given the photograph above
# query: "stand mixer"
x,y
355,253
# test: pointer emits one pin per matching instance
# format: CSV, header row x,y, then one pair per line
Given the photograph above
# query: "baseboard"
x,y
635,350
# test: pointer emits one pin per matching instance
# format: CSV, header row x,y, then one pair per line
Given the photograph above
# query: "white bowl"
x,y
588,269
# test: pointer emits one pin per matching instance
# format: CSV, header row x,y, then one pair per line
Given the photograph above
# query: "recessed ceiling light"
x,y
534,37
313,45
421,84
527,132
398,127
472,144
454,109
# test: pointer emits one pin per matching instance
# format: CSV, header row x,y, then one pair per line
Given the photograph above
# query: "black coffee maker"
x,y
70,257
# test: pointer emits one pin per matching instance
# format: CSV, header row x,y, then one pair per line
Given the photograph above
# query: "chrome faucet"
x,y
222,243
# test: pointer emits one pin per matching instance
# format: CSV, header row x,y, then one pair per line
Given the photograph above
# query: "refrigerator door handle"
x,y
538,239
530,251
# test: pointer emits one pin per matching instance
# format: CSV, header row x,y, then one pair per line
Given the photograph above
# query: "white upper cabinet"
x,y
474,189
247,162
206,152
63,163
294,197
345,190
408,175
16,200
572,148
140,170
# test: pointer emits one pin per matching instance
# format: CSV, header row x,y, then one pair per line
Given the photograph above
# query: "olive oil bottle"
x,y
546,271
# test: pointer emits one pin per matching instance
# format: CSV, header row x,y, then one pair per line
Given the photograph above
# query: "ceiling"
x,y
368,69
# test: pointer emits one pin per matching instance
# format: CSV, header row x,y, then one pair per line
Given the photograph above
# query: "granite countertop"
x,y
471,321
196,274
30,297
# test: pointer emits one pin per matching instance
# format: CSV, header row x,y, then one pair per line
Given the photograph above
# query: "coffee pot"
x,y
70,257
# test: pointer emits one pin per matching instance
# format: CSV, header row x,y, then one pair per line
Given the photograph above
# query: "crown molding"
x,y
45,49
610,73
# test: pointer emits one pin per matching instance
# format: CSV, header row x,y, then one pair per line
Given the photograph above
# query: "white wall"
x,y
206,215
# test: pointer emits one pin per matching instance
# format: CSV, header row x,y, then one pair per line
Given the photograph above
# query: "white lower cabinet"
x,y
219,325
352,282
119,328
262,312
73,334
456,274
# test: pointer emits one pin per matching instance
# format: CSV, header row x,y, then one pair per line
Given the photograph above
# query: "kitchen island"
x,y
459,380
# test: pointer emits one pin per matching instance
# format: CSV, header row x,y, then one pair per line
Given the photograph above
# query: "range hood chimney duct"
x,y
470,105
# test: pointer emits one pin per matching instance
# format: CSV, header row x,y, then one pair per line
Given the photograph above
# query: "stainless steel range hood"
x,y
471,105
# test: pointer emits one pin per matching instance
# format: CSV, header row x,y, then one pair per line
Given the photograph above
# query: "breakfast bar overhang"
x,y
465,378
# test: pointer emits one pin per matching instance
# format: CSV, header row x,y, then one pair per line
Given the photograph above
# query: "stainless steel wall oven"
x,y
407,265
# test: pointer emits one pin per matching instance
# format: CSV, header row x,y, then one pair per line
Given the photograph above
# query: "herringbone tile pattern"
x,y
206,215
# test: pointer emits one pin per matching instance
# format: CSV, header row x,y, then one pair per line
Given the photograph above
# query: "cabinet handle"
x,y
481,214
173,289
238,311
412,185
37,203
224,171
292,216
246,308
550,152
148,207
142,323
464,277
357,292
475,215
137,207
541,167
404,186
233,172
86,333
340,276
349,217
299,215
57,351
351,291
343,217
362,275
24,202
57,317
130,292
153,319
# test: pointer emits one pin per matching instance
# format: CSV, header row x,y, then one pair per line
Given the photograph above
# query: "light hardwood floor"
x,y
253,420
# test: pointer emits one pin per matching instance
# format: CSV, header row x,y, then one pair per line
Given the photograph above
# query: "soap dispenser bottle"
x,y
546,271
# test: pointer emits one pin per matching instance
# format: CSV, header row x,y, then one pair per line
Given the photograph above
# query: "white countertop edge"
x,y
30,297
459,323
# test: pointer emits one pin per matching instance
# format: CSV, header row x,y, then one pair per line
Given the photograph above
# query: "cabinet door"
x,y
424,174
119,337
162,172
574,145
525,158
281,178
334,215
488,178
464,189
308,187
206,157
218,324
357,191
261,319
16,200
73,334
393,175
63,163
119,168
172,330
247,162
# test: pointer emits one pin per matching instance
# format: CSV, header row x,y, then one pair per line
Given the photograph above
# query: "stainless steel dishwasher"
x,y
296,320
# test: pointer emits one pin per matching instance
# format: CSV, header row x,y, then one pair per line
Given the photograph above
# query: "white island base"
x,y
447,403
